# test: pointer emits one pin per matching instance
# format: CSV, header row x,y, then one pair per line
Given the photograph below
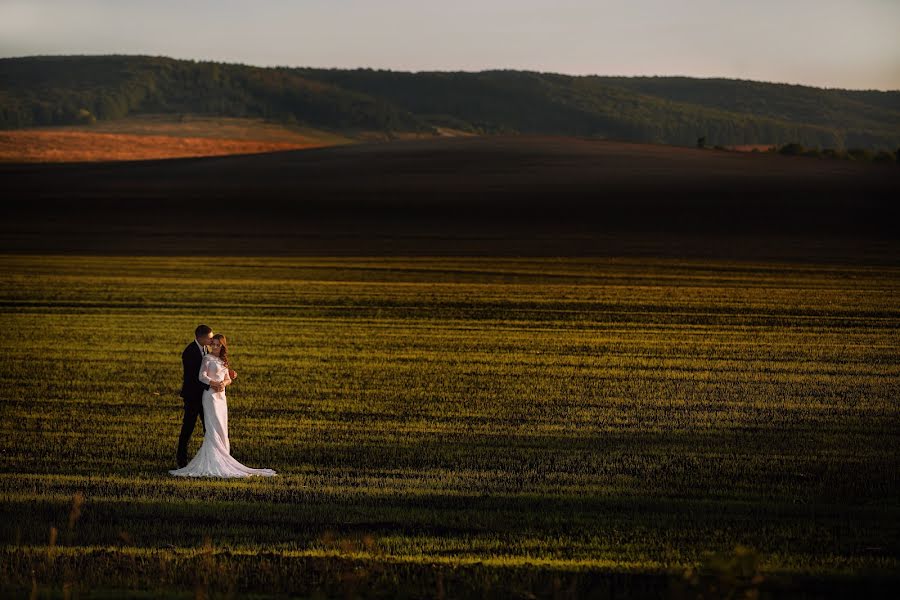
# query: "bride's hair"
x,y
223,352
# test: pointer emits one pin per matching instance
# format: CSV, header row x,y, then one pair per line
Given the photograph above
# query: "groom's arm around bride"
x,y
192,389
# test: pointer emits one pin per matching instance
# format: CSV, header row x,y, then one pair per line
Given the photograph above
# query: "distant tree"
x,y
792,149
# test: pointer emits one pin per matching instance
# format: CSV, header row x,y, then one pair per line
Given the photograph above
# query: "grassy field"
x,y
454,427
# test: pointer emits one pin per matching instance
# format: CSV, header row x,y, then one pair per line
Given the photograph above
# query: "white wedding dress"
x,y
214,457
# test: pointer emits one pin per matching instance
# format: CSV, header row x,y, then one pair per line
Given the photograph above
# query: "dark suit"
x,y
192,393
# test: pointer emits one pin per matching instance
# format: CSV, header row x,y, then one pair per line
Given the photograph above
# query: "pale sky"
x,y
828,43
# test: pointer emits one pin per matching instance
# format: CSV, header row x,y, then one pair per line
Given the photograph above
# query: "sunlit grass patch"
x,y
536,417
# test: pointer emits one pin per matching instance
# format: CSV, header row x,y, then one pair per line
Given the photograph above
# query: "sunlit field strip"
x,y
622,418
353,552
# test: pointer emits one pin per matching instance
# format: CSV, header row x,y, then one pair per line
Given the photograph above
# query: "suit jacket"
x,y
192,388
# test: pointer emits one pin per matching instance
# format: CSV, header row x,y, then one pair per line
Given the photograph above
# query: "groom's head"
x,y
203,334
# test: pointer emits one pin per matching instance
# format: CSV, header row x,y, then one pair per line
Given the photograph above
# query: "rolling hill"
x,y
60,90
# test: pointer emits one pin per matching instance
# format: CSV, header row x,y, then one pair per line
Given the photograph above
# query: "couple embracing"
x,y
206,375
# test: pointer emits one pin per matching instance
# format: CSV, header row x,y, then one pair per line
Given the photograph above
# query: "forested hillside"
x,y
39,91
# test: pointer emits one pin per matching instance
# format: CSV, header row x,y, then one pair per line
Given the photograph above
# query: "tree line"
x,y
63,90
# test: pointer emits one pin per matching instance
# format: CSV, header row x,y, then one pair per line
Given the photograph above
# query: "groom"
x,y
192,389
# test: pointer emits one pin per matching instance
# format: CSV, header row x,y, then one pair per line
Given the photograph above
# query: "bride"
x,y
214,457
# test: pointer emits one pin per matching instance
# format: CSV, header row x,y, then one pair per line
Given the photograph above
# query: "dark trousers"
x,y
193,408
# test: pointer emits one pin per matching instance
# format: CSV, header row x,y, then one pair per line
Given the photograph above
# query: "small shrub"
x,y
734,574
85,117
701,142
860,154
884,157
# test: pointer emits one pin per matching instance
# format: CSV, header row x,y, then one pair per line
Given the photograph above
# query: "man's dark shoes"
x,y
182,462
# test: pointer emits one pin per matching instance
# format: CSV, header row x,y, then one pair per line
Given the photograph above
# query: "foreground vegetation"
x,y
58,90
454,427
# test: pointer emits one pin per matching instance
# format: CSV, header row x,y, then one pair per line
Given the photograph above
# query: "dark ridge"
x,y
56,90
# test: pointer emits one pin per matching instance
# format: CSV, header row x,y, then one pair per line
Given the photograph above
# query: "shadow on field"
x,y
529,196
213,572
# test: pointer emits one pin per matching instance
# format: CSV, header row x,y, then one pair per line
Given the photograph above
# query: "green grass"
x,y
541,426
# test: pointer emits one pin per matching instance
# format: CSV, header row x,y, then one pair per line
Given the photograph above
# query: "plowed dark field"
x,y
463,196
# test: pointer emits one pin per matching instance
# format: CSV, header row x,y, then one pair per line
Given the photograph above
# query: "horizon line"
x,y
486,70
